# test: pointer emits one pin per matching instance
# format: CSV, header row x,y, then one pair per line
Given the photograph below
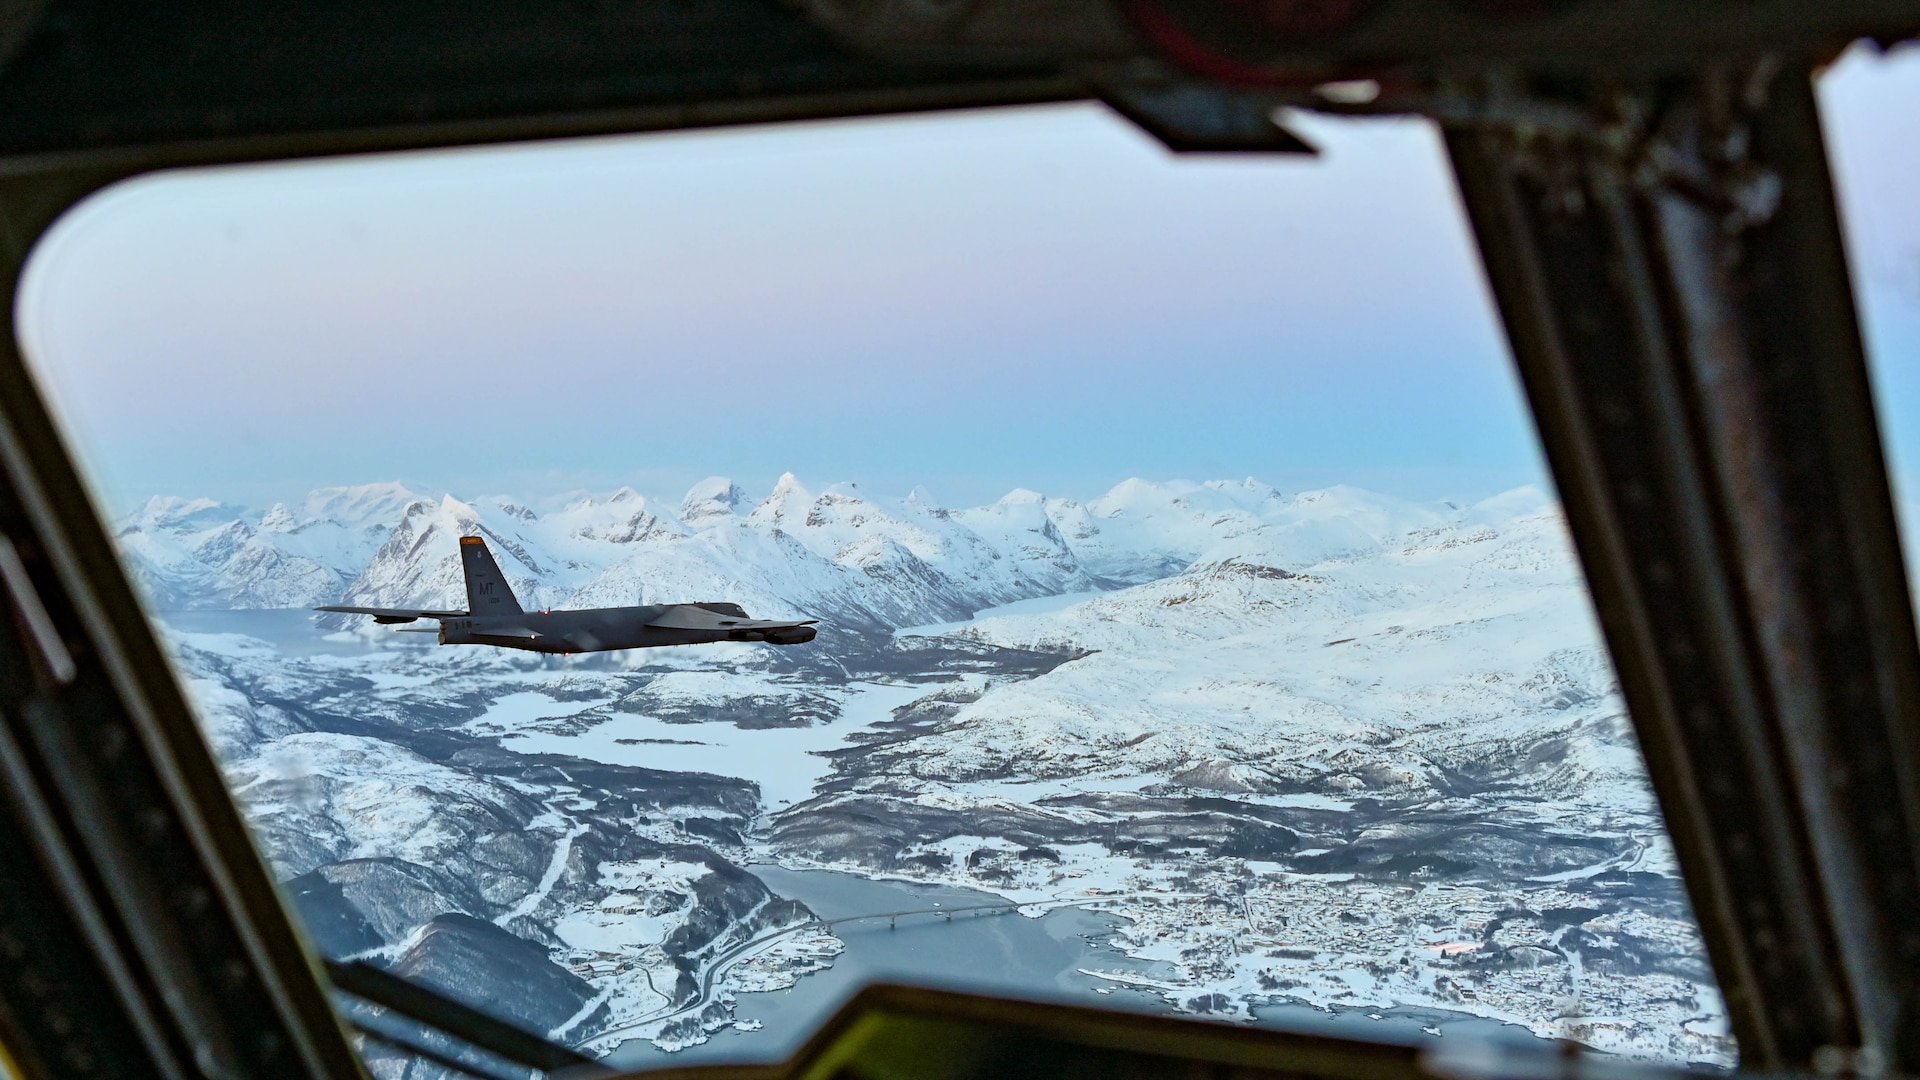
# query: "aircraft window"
x,y
1867,102
1196,629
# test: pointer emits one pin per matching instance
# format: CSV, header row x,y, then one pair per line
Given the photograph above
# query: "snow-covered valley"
x,y
1331,748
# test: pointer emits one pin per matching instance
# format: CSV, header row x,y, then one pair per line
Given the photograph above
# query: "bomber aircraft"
x,y
494,617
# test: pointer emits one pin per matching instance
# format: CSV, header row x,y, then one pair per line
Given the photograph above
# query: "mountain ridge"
x,y
866,563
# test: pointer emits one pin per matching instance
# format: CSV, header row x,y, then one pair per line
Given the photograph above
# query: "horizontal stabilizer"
x,y
392,615
697,617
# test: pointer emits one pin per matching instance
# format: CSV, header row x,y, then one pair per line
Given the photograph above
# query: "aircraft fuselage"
x,y
494,617
598,629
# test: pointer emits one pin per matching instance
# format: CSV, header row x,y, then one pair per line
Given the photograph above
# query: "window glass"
x,y
1197,631
1868,101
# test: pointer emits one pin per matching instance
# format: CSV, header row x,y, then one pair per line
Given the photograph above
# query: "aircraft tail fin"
x,y
487,590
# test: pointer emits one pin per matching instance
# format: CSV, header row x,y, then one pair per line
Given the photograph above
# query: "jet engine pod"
x,y
791,635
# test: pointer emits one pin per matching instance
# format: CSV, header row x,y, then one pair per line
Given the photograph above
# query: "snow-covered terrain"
x,y
861,563
1332,748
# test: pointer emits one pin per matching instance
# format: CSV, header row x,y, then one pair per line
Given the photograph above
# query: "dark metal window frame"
x,y
1657,222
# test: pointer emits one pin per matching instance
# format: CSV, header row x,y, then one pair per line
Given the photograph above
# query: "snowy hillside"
x,y
837,554
1333,749
199,553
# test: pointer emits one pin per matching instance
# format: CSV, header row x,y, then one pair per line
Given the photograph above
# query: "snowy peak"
x,y
1020,529
710,501
625,517
1249,486
1519,503
513,509
1144,500
840,504
420,562
175,514
455,508
785,507
383,503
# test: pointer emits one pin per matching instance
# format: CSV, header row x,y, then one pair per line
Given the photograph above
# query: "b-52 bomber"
x,y
494,617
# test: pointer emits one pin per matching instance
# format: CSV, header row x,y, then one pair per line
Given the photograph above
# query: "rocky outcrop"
x,y
484,966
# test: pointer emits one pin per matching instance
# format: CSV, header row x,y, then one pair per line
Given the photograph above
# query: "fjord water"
x,y
1042,959
1004,953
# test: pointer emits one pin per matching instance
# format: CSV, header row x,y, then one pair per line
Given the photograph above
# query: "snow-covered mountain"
x,y
837,554
1334,749
199,553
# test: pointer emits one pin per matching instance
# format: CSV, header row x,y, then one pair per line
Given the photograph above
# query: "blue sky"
x,y
1034,297
1871,106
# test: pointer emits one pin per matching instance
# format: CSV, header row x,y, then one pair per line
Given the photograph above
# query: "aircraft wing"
x,y
392,615
694,617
